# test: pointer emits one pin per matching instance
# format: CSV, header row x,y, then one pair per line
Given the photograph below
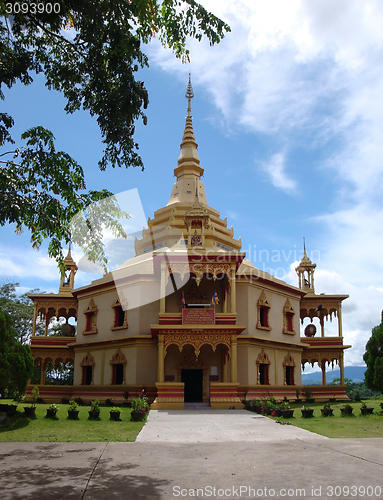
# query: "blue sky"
x,y
288,117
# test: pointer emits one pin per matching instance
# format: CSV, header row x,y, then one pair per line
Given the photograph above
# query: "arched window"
x,y
263,308
118,364
120,320
289,370
288,318
90,318
263,364
87,364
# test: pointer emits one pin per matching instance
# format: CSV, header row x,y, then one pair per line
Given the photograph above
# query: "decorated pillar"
x,y
34,320
324,382
233,292
322,326
225,359
233,359
341,368
42,375
340,333
161,364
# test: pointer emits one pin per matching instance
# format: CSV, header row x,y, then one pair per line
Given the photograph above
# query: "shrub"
x,y
79,401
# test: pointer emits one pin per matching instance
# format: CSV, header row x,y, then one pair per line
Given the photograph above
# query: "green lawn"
x,y
356,426
21,428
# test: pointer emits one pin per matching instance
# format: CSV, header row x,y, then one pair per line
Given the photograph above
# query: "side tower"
x,y
323,349
54,347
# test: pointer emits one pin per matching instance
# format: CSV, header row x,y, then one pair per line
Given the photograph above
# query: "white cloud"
x,y
276,171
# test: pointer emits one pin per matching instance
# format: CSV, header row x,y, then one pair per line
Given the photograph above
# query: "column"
x,y
34,320
324,382
322,326
233,292
341,368
163,288
42,376
339,312
224,366
233,359
46,324
161,364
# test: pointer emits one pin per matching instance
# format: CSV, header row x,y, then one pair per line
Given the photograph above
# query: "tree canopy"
x,y
16,361
373,358
91,51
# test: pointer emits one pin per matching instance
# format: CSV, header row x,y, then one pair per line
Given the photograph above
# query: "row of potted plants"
x,y
269,406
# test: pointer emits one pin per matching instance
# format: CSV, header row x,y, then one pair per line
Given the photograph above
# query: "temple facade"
x,y
189,318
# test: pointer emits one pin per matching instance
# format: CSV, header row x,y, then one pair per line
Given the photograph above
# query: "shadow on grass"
x,y
14,422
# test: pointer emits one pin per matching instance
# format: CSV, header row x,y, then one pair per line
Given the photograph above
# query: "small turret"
x,y
67,280
305,272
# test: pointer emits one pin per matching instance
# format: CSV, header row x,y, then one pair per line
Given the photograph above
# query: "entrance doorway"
x,y
193,380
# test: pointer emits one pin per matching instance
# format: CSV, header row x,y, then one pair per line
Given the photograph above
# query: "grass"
x,y
356,426
41,429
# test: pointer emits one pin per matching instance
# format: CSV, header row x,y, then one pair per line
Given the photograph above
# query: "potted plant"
x,y
94,412
365,410
307,412
309,395
298,393
115,413
52,410
286,411
327,410
139,408
126,397
30,411
73,410
346,410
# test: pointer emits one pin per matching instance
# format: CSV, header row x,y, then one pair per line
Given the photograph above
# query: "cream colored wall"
x,y
146,365
247,299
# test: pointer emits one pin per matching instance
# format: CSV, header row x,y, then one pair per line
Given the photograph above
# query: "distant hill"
x,y
354,373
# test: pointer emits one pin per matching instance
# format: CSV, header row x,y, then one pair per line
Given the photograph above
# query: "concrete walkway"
x,y
253,458
204,425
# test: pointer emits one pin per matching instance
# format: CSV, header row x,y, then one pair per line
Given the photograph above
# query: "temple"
x,y
189,318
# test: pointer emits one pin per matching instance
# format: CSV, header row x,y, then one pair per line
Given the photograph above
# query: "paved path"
x,y
185,460
205,425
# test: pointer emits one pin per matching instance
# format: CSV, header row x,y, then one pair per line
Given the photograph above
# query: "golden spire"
x,y
189,157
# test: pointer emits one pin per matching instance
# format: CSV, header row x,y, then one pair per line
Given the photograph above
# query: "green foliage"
x,y
115,409
91,52
95,405
20,308
139,404
73,406
53,406
16,362
373,358
35,395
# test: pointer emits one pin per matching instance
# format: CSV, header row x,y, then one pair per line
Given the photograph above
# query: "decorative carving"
x,y
288,360
198,269
88,360
196,340
262,359
328,356
288,318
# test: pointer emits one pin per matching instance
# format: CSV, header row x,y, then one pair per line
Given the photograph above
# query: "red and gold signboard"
x,y
198,316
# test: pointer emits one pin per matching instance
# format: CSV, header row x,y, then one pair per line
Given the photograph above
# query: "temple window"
x,y
87,365
289,370
120,321
118,365
90,318
263,364
263,308
288,318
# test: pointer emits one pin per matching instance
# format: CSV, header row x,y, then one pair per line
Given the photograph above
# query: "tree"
x,y
16,361
91,51
20,308
373,358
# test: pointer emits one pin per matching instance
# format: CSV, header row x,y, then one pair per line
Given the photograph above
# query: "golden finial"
x,y
189,91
